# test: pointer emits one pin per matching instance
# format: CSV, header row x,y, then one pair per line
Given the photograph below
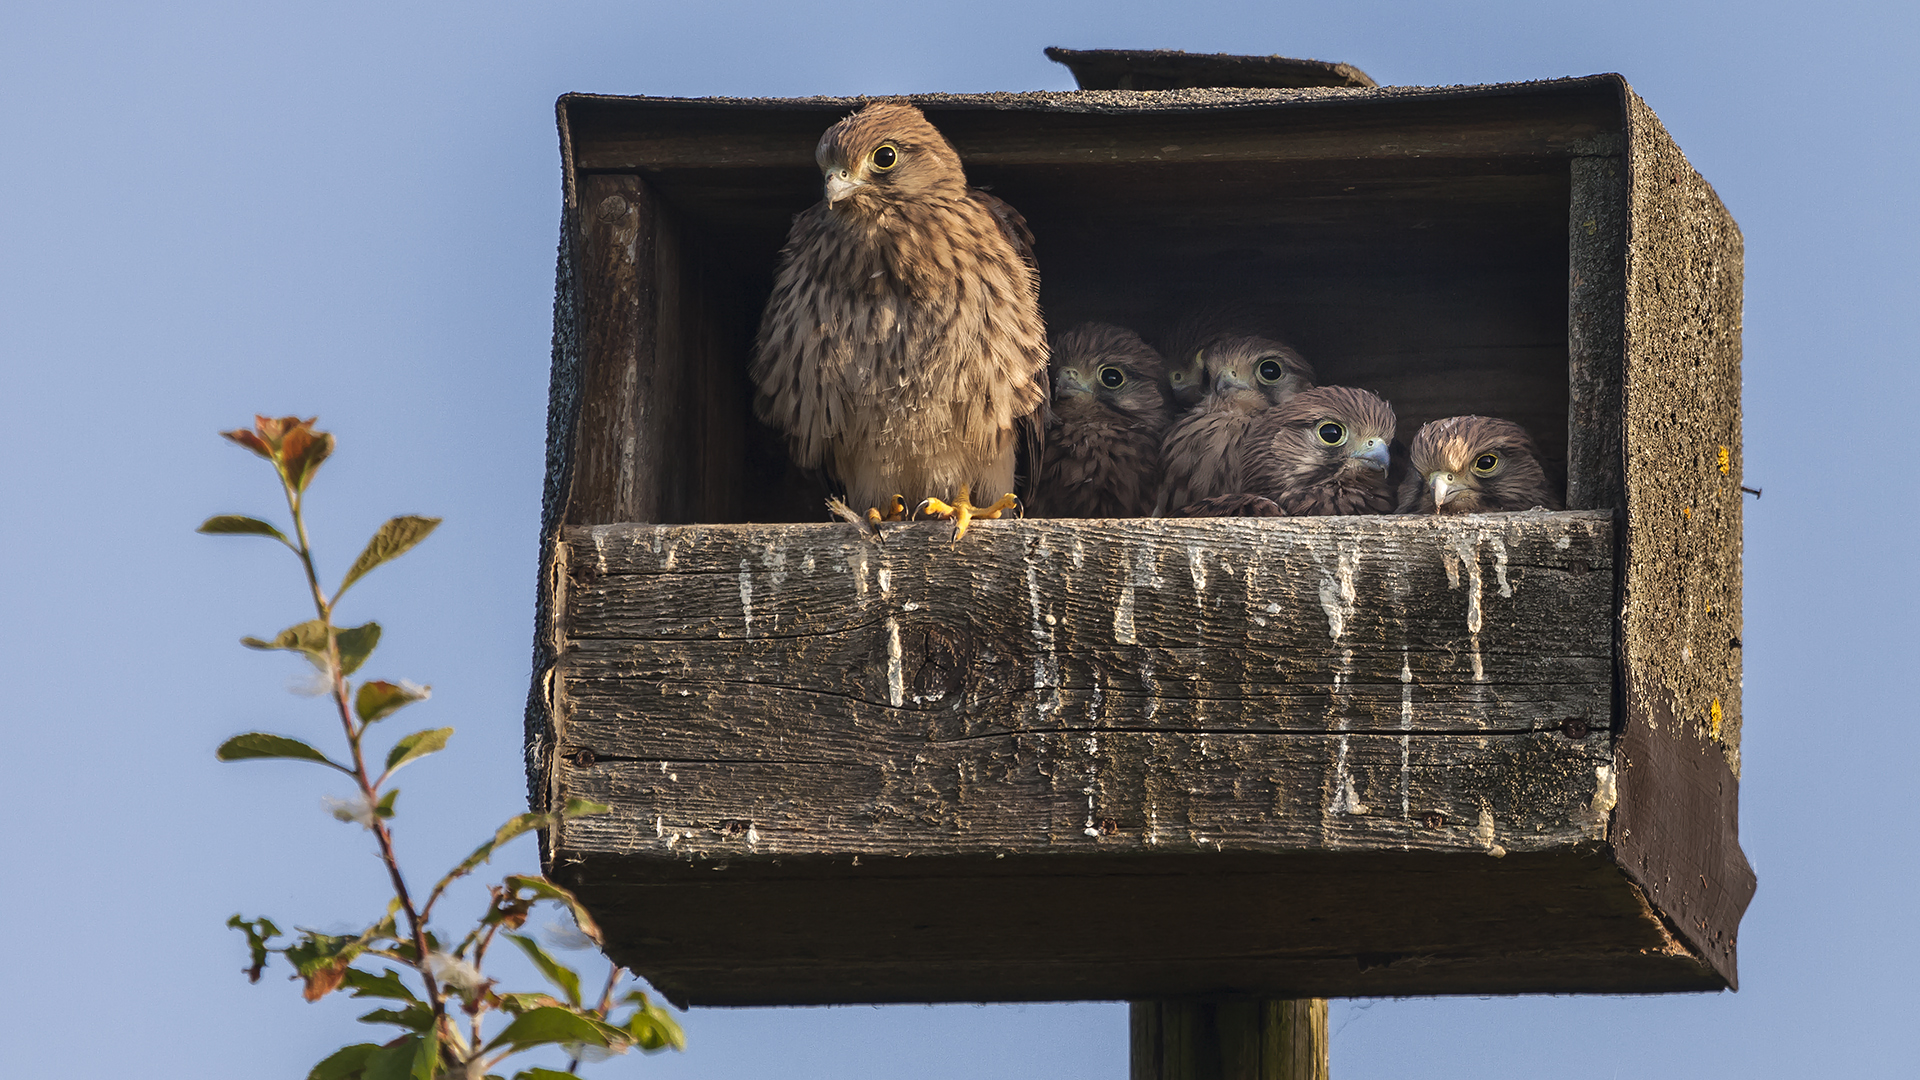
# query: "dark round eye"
x,y
1177,377
1486,463
1331,432
885,157
1271,371
1112,377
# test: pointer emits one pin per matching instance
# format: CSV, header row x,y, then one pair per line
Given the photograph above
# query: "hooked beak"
x,y
1229,379
1445,486
840,184
1374,453
1071,382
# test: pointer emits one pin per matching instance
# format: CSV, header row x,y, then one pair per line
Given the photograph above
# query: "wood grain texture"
x,y
799,706
1232,1039
1199,125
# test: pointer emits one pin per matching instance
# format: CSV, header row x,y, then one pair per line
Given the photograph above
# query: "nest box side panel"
x,y
1677,825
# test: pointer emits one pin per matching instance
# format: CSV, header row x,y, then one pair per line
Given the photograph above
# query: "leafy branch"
x,y
443,1025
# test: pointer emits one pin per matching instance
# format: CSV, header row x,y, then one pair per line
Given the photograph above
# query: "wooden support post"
x,y
1230,1039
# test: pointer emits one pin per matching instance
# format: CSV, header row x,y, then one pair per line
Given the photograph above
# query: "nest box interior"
x,y
1138,759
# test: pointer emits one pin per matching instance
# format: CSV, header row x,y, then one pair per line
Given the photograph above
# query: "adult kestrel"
x,y
902,350
1110,410
1327,451
1203,452
1475,465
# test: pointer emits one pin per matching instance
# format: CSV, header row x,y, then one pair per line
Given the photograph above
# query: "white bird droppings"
x,y
896,672
746,598
1483,834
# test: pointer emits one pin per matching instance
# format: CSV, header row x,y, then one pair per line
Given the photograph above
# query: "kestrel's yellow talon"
x,y
962,512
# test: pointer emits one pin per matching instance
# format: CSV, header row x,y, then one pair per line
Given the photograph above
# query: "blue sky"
x,y
210,209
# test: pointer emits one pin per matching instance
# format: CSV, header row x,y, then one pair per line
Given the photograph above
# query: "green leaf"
x,y
259,932
240,525
417,745
513,828
410,1057
393,540
417,1017
519,1003
346,1063
387,984
259,744
356,644
309,637
584,808
384,807
322,959
552,1025
377,699
547,890
557,973
538,1073
651,1026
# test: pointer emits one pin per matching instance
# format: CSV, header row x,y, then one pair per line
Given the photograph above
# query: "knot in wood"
x,y
613,208
938,656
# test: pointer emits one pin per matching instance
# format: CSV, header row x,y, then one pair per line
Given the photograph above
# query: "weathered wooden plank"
x,y
870,794
1379,624
1051,128
1024,927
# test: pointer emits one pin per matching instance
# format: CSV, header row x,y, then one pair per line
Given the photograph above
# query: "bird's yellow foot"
x,y
962,512
896,511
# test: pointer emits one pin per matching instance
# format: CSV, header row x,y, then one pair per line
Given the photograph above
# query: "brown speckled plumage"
x,y
902,350
1449,453
1237,505
1103,442
1327,451
1203,453
1185,347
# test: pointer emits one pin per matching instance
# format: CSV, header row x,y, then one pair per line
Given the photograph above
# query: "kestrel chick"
x,y
902,350
1110,409
1185,348
1203,451
1327,451
1475,465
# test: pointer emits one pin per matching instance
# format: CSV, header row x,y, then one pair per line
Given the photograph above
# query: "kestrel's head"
x,y
1253,373
1209,322
1186,378
1325,434
1108,368
1475,465
884,153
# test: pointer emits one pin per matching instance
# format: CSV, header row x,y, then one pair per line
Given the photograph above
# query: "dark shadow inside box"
x,y
1440,283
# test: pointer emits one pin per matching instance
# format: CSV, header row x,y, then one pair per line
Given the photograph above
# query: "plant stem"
x,y
324,609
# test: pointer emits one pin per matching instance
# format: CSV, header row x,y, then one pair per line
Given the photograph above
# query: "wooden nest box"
x,y
1138,759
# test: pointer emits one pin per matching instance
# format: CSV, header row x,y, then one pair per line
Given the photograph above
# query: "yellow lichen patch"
x,y
1726,462
1713,719
1687,512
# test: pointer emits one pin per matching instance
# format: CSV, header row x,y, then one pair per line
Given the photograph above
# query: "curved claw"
x,y
962,512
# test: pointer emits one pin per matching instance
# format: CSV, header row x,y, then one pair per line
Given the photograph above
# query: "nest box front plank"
x,y
854,730
1322,680
1141,759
